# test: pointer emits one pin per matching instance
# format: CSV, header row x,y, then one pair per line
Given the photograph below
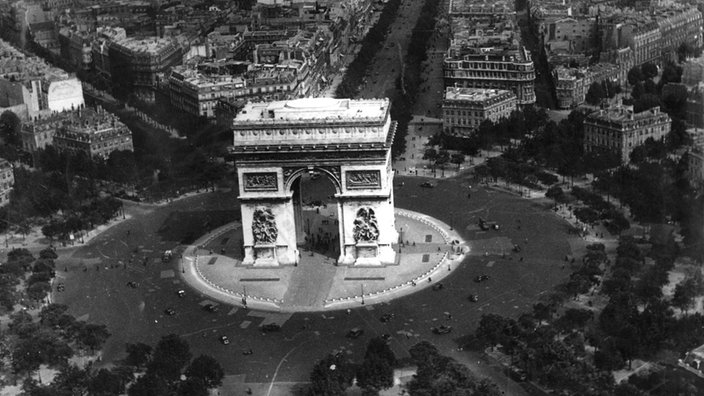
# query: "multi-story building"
x,y
198,90
137,63
38,133
695,106
575,33
693,72
7,181
572,84
76,48
646,44
95,133
677,27
619,130
100,55
29,86
502,67
695,165
465,108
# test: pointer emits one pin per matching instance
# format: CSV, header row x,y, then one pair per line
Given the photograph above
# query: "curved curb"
x,y
193,276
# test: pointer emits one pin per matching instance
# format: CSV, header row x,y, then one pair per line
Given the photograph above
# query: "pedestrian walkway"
x,y
429,251
314,269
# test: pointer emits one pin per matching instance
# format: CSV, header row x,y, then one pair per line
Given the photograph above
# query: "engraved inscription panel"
x,y
363,179
260,182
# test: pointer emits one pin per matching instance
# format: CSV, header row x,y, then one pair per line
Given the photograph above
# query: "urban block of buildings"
x,y
464,109
29,86
94,132
485,50
619,130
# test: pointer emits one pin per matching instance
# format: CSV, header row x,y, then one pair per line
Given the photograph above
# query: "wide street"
x,y
97,290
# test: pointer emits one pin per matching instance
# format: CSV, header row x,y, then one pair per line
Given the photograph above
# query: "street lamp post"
x,y
362,285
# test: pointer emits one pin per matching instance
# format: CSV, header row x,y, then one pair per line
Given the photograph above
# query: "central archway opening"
x,y
316,214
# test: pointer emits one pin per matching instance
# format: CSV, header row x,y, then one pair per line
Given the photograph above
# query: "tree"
x,y
377,370
635,75
138,355
170,356
192,387
38,291
458,159
685,292
492,329
149,385
330,376
91,336
10,126
430,155
207,370
71,380
105,383
595,93
649,70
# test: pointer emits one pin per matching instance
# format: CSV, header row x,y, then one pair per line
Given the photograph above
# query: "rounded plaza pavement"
x,y
429,251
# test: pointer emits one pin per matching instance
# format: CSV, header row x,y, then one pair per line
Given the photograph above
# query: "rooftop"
x,y
314,109
474,94
150,45
625,114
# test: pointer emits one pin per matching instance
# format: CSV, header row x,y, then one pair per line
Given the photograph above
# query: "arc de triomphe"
x,y
349,141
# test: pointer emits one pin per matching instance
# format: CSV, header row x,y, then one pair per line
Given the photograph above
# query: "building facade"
x,y
695,106
137,63
346,141
7,181
619,130
491,68
465,108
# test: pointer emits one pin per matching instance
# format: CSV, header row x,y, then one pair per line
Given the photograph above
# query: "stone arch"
x,y
295,174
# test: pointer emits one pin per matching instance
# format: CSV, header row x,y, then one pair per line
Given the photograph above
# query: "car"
x,y
269,327
247,351
473,298
224,340
438,286
386,337
60,287
181,293
132,284
170,311
481,278
210,308
442,329
427,185
386,317
354,333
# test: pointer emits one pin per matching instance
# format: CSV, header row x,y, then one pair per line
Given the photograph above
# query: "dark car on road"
x,y
132,284
354,333
210,308
170,311
386,317
427,185
481,278
438,286
442,329
473,298
269,327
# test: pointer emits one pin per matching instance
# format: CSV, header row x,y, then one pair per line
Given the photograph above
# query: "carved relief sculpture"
x,y
260,182
264,226
363,179
365,228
